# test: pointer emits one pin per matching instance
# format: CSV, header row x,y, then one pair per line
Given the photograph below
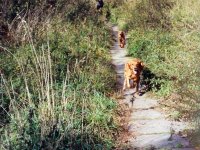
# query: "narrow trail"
x,y
150,127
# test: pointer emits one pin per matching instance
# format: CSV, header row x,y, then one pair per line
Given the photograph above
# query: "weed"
x,y
54,86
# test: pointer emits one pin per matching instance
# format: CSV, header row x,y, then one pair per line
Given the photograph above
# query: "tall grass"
x,y
53,91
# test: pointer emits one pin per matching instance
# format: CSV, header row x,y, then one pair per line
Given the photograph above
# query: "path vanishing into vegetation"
x,y
149,125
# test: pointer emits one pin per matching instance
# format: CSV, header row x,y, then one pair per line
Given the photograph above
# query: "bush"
x,y
54,85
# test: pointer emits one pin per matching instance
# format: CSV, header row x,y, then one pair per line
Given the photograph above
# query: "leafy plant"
x,y
54,85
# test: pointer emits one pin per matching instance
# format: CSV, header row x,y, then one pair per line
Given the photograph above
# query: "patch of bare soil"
x,y
123,118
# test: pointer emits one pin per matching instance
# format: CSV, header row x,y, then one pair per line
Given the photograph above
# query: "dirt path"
x,y
149,125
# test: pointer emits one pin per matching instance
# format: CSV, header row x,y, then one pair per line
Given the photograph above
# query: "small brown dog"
x,y
132,71
121,38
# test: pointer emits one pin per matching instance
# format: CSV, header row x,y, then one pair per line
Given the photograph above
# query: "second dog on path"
x,y
121,38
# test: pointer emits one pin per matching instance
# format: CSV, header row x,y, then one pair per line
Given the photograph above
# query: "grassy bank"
x,y
165,35
55,78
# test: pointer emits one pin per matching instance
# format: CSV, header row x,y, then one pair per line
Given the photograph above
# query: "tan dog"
x,y
121,38
132,71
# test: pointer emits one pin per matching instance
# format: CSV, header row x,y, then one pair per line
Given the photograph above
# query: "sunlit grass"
x,y
54,90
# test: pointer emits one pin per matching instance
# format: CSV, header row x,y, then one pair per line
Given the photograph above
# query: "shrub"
x,y
54,86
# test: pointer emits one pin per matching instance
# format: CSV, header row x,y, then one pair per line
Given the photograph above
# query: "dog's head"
x,y
136,66
121,33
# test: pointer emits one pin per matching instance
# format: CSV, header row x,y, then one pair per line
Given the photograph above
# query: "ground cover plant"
x,y
55,77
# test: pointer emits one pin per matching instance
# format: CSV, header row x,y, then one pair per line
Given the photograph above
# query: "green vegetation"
x,y
55,75
165,35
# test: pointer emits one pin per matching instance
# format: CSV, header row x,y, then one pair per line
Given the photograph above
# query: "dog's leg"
x,y
133,84
124,86
123,43
120,44
137,86
128,83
